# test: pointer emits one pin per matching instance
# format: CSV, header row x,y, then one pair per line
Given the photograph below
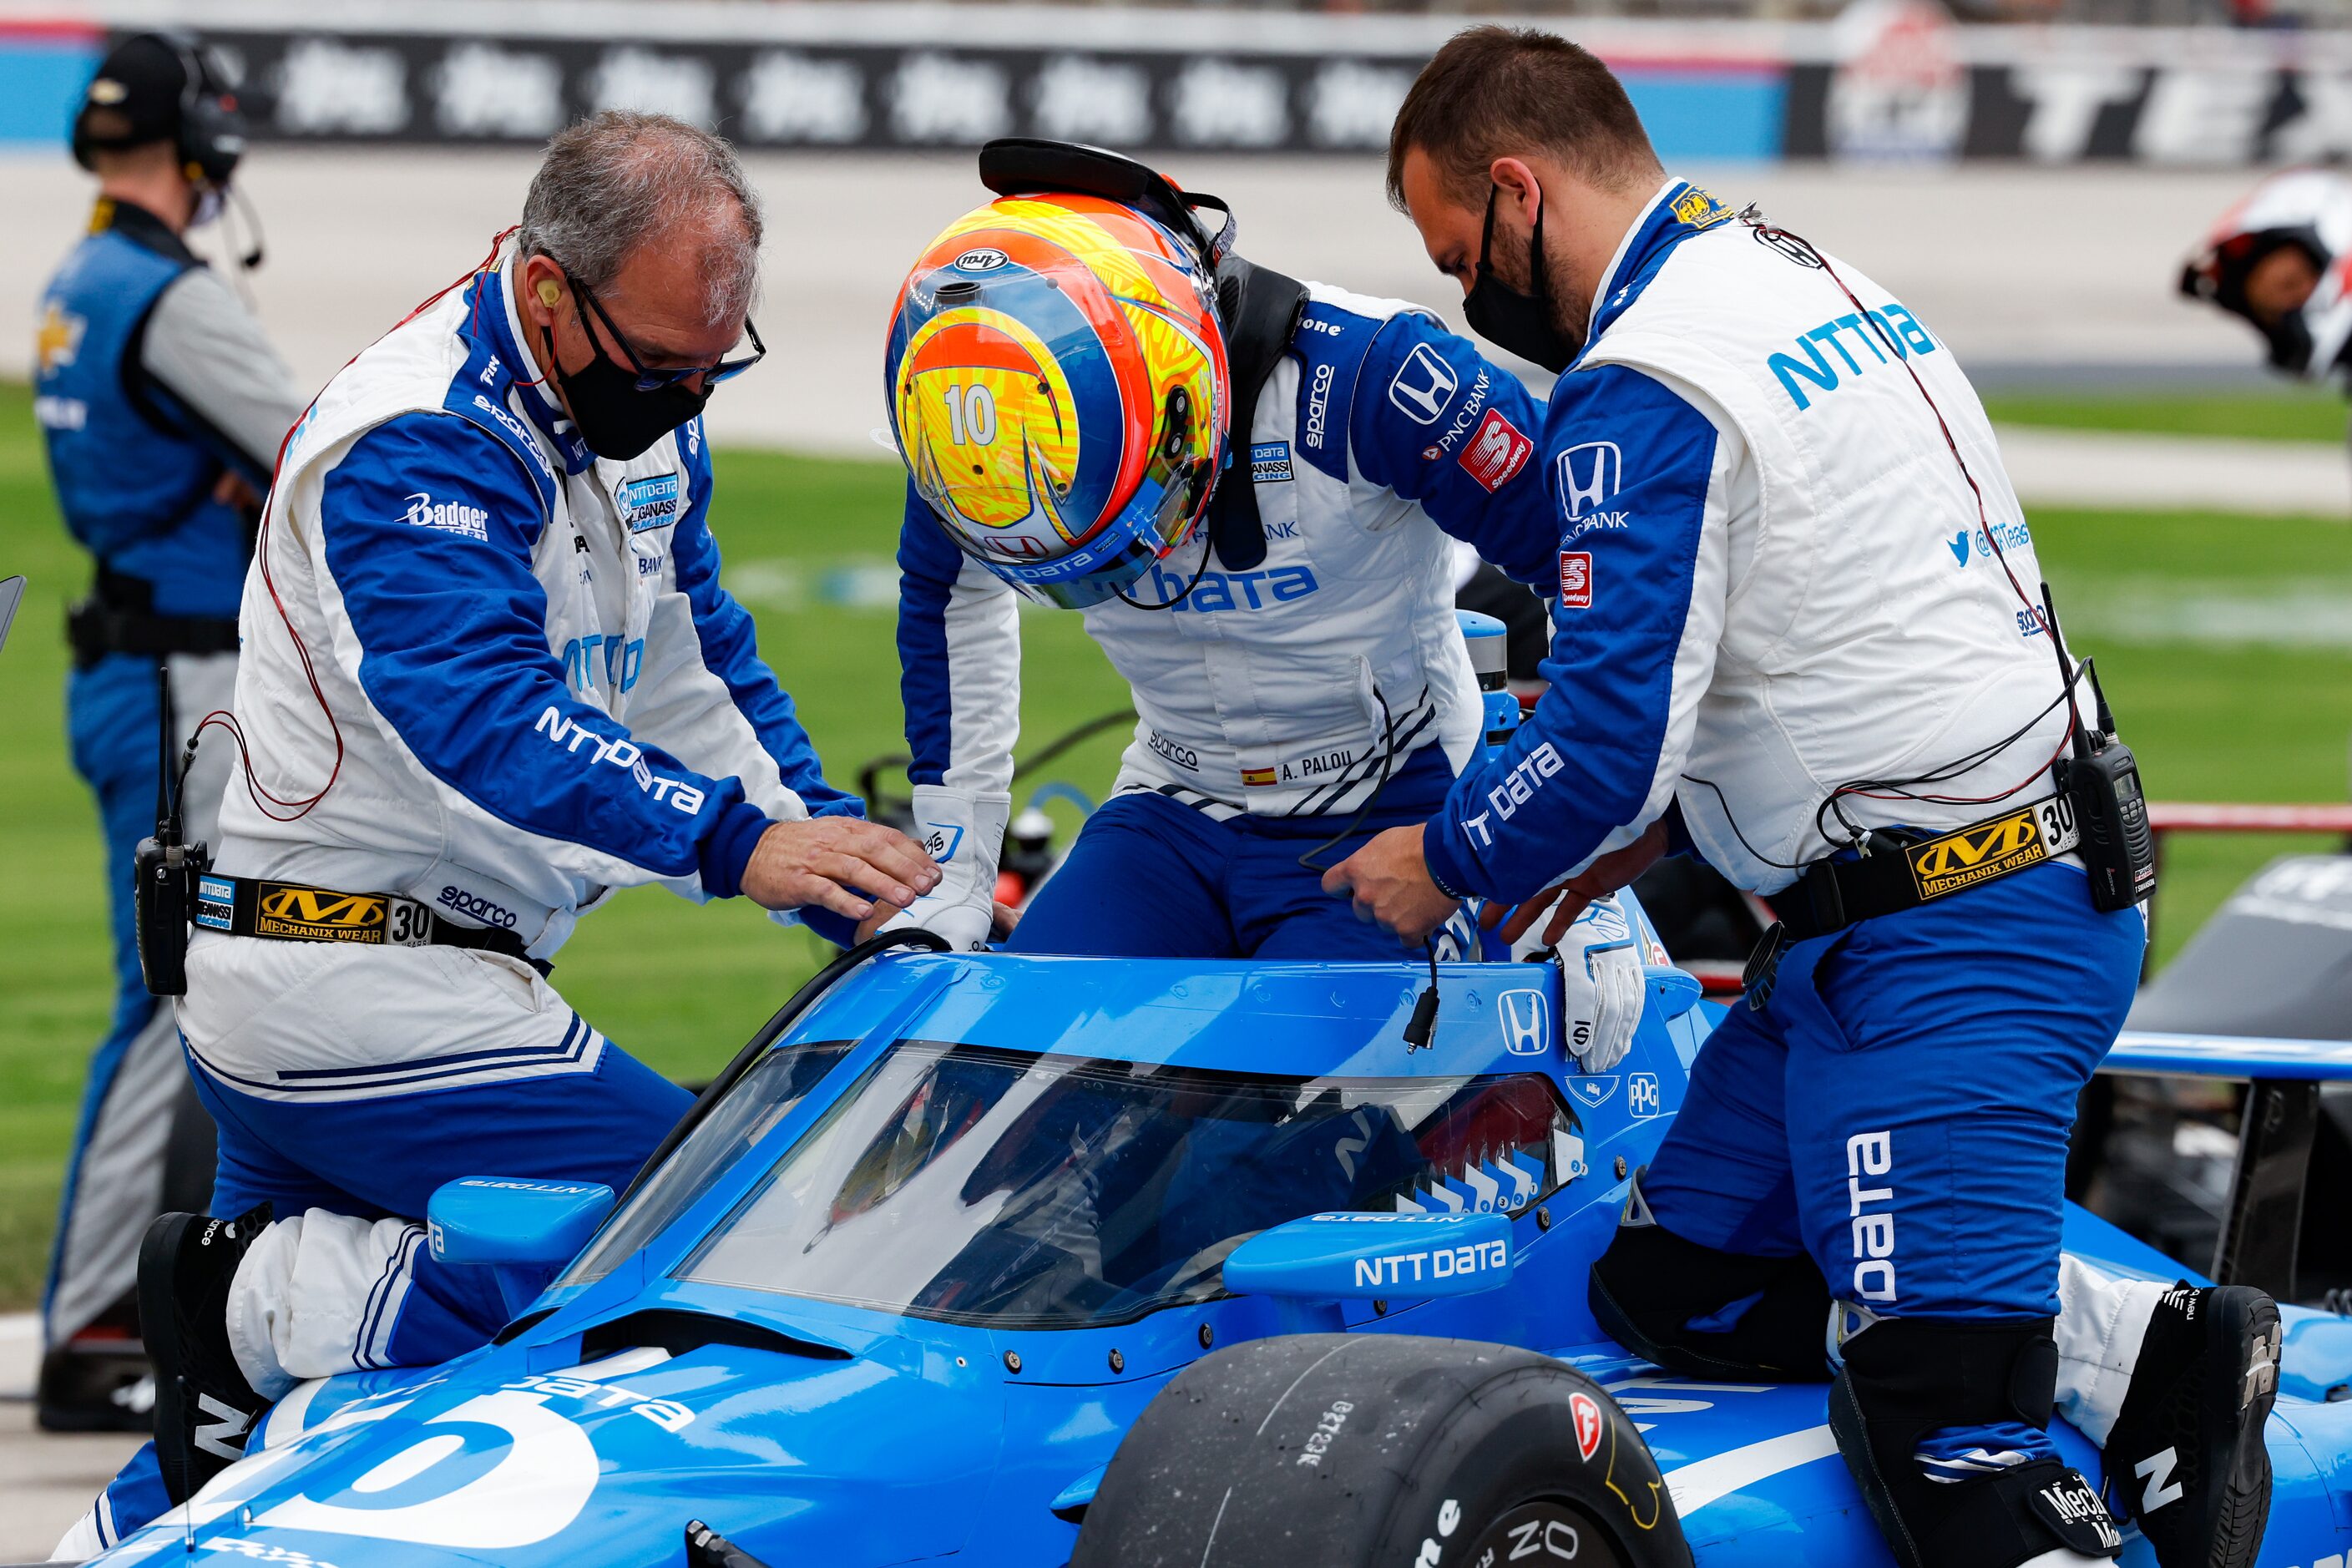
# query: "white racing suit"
x,y
539,691
1273,702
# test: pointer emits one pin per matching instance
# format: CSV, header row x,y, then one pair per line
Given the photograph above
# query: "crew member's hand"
x,y
1568,900
846,864
1002,919
231,490
1389,882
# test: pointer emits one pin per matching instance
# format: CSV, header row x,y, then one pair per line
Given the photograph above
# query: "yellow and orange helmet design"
x,y
1058,386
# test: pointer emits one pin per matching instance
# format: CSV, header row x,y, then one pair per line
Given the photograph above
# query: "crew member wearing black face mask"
x,y
1531,325
494,675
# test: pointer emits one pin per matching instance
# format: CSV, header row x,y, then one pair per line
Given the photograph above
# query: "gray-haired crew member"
x,y
491,538
161,407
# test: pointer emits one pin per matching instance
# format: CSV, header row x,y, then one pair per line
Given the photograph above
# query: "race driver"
x,y
2282,260
489,674
161,405
1788,638
1060,374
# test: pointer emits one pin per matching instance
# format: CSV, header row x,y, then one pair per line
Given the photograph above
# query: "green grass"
x,y
2286,414
682,986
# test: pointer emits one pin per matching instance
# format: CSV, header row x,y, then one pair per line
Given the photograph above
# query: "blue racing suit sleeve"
x,y
730,651
959,660
1642,559
1437,424
427,525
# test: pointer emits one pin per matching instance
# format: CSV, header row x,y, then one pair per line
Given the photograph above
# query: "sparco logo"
x,y
1184,757
448,516
476,907
1318,404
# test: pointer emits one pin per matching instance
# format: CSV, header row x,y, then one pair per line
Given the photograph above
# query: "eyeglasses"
x,y
654,379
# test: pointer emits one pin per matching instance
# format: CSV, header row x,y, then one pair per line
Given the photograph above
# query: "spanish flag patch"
x,y
1256,776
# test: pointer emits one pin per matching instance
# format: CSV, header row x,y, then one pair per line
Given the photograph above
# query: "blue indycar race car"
x,y
1038,1261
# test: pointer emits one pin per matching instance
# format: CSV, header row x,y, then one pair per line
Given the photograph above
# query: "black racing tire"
x,y
1357,1450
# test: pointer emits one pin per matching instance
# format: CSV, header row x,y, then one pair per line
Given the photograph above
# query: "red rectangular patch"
x,y
1575,580
1496,452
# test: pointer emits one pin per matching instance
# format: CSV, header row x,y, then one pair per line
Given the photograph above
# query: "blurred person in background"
x,y
489,675
2282,260
1762,461
161,405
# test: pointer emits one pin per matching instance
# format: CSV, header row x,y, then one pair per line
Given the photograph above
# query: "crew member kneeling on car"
x,y
1791,637
489,674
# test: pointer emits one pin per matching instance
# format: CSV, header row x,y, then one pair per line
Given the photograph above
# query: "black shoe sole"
x,y
2242,1373
159,1308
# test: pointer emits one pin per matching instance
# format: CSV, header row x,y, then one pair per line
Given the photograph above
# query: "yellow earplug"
x,y
548,293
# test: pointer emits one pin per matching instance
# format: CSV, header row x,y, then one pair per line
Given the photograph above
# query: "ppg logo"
x,y
1589,476
1526,1018
1423,385
1642,1094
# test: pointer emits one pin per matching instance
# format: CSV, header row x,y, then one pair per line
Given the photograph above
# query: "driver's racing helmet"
x,y
1059,388
2310,210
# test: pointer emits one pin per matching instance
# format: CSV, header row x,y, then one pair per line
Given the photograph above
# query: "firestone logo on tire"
x,y
1590,1423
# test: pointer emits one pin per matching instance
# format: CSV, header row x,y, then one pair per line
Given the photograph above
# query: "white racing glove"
x,y
1603,984
964,832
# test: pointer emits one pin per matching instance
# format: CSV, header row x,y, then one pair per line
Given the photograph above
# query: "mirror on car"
x,y
514,1219
1674,992
1356,1257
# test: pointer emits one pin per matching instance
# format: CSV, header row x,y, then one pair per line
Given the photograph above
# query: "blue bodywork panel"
x,y
821,1430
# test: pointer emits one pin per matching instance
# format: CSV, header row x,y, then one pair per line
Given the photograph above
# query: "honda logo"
x,y
1423,385
1589,476
1525,1017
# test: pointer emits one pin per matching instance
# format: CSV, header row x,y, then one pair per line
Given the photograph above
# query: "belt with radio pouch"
x,y
185,893
2098,813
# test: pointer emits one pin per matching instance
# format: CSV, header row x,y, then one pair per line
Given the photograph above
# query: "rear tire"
x,y
1351,1450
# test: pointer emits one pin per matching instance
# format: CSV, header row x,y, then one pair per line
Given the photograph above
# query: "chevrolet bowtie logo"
x,y
285,910
1977,854
58,339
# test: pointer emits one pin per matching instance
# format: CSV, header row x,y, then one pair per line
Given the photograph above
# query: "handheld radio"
x,y
2100,780
164,890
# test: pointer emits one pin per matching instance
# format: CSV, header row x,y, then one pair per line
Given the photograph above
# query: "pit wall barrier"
x,y
1888,79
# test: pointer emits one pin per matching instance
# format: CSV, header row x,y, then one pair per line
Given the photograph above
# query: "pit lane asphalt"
x,y
2032,274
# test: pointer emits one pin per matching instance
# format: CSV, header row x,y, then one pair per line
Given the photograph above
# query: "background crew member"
x,y
161,405
489,674
1768,650
2282,258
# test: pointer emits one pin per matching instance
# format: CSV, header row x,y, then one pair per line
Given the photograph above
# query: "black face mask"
x,y
616,419
1516,322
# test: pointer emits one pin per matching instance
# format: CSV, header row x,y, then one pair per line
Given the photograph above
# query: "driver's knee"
x,y
1705,1312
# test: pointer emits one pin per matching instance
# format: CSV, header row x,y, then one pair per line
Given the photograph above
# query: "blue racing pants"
x,y
1150,878
1900,1110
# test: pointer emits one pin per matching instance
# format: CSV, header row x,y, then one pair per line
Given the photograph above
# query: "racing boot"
x,y
205,1408
2186,1456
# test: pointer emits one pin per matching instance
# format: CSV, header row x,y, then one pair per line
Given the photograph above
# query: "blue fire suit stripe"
x,y
1594,756
730,647
455,658
929,563
1421,458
